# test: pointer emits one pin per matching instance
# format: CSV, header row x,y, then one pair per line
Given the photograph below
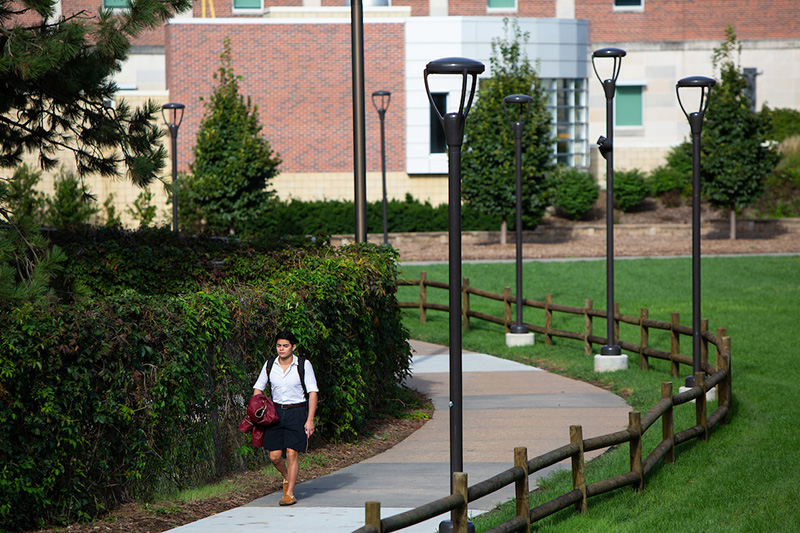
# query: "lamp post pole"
x,y
385,97
359,119
606,146
176,117
695,119
453,124
518,126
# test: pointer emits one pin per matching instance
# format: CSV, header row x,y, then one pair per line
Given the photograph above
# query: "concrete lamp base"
x,y
711,395
519,339
610,363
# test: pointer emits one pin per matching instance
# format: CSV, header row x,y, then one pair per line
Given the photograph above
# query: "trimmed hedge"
x,y
129,392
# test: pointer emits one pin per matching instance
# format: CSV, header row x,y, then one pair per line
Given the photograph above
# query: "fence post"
x,y
423,292
587,326
720,337
724,387
635,429
668,423
459,515
507,308
703,342
521,487
464,287
578,467
700,403
615,341
372,514
675,345
548,319
644,339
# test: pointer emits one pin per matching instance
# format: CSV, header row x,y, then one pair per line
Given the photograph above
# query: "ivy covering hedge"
x,y
142,385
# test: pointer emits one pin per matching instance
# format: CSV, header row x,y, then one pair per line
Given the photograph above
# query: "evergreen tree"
x,y
736,157
488,161
55,82
233,163
72,204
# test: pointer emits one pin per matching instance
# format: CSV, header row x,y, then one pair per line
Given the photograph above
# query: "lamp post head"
x,y
384,97
455,65
524,103
175,111
697,82
616,55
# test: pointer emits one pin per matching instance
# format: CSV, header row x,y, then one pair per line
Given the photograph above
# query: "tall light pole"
x,y
606,146
359,119
696,124
384,97
453,124
175,112
517,120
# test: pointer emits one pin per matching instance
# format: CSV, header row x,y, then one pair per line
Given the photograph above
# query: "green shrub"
x,y
574,192
22,203
781,198
673,180
785,123
629,189
72,204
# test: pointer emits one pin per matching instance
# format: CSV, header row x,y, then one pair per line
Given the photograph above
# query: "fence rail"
x,y
719,377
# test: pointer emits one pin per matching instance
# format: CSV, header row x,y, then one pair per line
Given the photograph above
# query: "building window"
x,y
116,4
629,105
505,6
567,103
628,5
438,141
246,4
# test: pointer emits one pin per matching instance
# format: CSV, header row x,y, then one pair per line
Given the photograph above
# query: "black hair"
x,y
286,335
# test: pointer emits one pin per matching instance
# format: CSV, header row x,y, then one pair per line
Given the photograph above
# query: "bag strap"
x,y
301,371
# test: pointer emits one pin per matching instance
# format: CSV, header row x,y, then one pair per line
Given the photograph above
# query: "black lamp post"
x,y
175,112
453,124
384,97
359,119
518,125
606,146
696,124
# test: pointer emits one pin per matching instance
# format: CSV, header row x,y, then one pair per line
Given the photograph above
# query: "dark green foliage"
x,y
488,159
227,190
673,180
785,123
20,202
55,81
317,217
141,386
735,158
782,187
72,204
574,192
630,189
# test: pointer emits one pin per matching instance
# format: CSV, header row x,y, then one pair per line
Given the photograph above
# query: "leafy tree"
x,y
736,157
233,163
488,161
143,210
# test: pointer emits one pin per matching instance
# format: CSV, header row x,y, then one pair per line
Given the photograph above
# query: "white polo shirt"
x,y
286,387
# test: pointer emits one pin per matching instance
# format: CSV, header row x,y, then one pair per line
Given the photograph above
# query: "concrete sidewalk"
x,y
505,405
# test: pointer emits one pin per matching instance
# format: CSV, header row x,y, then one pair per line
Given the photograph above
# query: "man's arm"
x,y
312,409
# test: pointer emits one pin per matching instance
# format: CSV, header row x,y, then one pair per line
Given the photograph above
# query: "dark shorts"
x,y
289,432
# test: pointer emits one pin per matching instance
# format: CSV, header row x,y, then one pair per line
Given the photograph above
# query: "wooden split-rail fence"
x,y
710,377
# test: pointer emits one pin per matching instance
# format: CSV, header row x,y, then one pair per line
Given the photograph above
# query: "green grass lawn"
x,y
745,478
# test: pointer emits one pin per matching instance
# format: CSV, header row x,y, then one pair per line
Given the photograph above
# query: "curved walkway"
x,y
505,405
